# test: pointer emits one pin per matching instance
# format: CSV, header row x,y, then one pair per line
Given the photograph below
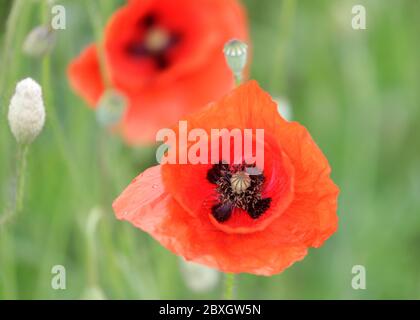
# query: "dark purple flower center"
x,y
238,187
155,42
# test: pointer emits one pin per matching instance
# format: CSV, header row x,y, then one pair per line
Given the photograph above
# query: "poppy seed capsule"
x,y
157,39
236,55
110,108
240,181
26,111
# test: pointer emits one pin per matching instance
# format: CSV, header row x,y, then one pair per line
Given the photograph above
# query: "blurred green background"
x,y
358,93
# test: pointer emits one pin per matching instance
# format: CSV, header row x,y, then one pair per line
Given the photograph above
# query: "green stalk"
x,y
14,24
238,79
229,286
20,184
91,251
8,40
20,175
52,116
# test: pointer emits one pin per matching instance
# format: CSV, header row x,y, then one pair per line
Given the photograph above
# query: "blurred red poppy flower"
x,y
197,210
166,57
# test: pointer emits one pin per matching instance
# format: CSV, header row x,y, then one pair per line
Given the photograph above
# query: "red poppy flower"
x,y
195,210
166,56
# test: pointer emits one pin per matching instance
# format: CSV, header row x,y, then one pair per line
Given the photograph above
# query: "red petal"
x,y
85,75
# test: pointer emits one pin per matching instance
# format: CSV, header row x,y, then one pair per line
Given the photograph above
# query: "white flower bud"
x,y
110,108
26,111
236,56
198,278
39,41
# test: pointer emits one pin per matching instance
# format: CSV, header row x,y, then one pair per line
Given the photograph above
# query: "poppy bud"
x,y
236,54
26,111
198,278
110,108
39,41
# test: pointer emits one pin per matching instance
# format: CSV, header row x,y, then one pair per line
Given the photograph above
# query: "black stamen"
x,y
174,39
137,49
249,200
222,212
216,172
256,209
149,20
161,61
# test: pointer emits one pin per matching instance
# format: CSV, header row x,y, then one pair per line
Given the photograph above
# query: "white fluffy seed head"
x,y
26,111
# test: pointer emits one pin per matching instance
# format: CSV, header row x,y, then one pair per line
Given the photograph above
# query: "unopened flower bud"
x,y
26,111
198,278
236,56
110,108
40,41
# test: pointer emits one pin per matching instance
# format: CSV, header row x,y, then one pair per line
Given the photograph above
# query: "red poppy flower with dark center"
x,y
166,56
239,216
